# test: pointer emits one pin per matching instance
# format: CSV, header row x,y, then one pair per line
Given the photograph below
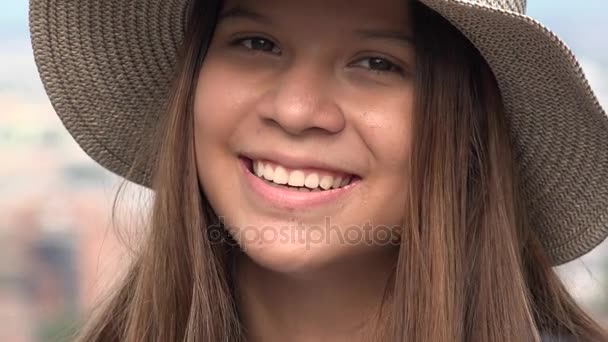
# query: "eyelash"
x,y
393,67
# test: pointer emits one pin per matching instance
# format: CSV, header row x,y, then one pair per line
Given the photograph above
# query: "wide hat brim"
x,y
107,65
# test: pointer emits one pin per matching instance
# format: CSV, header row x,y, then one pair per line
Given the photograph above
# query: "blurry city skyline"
x,y
57,248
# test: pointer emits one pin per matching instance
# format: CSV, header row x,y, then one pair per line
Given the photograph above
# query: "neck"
x,y
339,302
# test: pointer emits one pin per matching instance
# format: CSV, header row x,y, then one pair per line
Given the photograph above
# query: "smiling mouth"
x,y
304,180
289,197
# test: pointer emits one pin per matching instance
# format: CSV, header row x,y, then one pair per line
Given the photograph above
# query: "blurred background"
x,y
58,250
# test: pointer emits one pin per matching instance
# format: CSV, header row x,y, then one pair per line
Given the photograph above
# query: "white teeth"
x,y
337,182
312,180
280,175
258,168
296,178
268,172
326,182
345,181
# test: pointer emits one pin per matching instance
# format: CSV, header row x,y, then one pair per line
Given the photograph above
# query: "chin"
x,y
290,257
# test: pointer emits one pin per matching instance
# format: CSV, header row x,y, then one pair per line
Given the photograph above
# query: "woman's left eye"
x,y
257,44
380,65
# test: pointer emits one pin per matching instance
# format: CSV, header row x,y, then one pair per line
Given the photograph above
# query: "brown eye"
x,y
257,43
379,64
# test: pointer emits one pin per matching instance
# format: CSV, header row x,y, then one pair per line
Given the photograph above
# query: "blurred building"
x,y
58,250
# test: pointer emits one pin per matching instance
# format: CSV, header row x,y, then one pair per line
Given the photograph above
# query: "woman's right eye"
x,y
257,43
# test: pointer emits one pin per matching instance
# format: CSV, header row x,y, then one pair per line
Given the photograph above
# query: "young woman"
x,y
336,170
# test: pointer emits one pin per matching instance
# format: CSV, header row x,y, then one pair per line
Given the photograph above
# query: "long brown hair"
x,y
470,267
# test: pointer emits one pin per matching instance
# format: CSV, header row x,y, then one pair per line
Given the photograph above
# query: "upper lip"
x,y
297,162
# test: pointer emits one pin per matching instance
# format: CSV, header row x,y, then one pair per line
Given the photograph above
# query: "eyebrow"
x,y
398,36
245,13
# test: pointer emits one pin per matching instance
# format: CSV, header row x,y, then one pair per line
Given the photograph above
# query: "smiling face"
x,y
316,94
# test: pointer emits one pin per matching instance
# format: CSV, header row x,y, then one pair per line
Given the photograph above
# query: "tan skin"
x,y
313,89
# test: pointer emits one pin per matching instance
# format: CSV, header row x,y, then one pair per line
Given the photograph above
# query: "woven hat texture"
x,y
106,66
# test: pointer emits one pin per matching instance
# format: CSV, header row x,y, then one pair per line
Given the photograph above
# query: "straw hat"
x,y
106,67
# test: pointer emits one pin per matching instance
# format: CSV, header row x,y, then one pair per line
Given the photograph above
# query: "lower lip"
x,y
293,199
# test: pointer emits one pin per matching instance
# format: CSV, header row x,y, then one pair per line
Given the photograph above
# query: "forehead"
x,y
339,13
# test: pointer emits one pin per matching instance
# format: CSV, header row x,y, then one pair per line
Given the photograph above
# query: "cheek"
x,y
216,118
214,108
387,129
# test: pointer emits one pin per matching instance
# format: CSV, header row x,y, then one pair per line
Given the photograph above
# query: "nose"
x,y
302,100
